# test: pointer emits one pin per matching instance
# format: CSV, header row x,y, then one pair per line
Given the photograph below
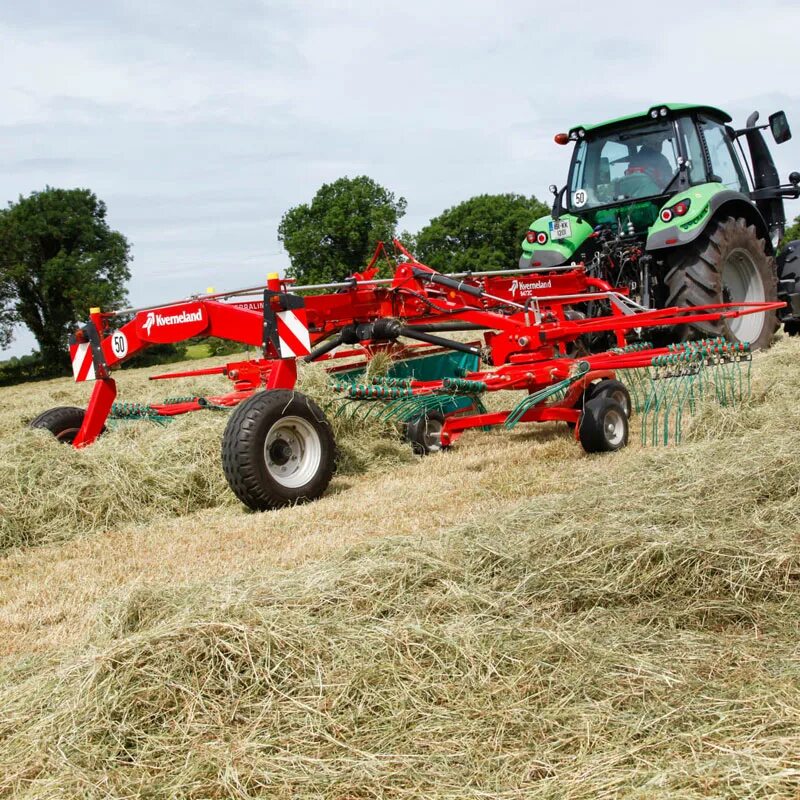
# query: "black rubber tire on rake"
x,y
603,426
424,433
606,387
616,390
695,278
247,454
63,422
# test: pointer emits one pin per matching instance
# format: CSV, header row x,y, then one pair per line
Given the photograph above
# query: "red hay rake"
x,y
278,447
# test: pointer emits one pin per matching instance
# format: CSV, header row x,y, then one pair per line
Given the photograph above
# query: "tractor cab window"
x,y
623,165
725,165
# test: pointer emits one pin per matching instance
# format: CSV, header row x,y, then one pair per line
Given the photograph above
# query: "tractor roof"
x,y
646,116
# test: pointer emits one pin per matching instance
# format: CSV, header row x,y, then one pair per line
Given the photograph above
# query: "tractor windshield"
x,y
624,164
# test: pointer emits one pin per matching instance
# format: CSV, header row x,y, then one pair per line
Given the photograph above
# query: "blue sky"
x,y
199,123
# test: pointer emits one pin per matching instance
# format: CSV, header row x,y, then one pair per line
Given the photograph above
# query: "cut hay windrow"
x,y
635,636
139,472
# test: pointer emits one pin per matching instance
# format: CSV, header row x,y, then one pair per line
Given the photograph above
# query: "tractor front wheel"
x,y
727,264
603,426
63,422
277,450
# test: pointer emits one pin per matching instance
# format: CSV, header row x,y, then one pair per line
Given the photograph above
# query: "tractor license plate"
x,y
560,229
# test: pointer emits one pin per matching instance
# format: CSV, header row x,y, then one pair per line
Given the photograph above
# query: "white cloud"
x,y
201,122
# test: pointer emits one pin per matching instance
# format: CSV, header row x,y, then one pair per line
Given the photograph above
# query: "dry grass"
x,y
139,471
546,624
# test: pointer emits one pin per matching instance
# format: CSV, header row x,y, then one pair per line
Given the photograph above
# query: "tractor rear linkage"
x,y
278,448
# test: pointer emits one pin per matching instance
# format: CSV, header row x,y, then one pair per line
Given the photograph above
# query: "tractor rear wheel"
x,y
603,426
277,450
63,422
727,264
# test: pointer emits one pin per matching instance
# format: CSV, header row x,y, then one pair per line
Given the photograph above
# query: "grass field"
x,y
194,351
511,619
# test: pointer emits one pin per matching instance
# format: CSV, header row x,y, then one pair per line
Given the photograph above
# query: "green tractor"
x,y
667,204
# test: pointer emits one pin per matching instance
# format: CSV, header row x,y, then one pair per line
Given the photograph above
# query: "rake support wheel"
x,y
616,390
425,433
603,426
63,422
278,450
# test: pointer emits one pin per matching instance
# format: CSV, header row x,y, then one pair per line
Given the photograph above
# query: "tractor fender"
x,y
726,203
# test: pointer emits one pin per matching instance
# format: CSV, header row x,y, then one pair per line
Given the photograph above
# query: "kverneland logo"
x,y
159,320
529,287
172,323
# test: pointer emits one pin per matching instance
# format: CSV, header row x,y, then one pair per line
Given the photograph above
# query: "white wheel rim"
x,y
618,396
741,283
292,452
614,427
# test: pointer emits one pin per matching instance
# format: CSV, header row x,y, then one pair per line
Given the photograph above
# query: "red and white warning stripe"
x,y
293,338
82,361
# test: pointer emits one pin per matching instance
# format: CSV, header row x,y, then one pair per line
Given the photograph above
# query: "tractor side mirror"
x,y
779,126
558,202
553,189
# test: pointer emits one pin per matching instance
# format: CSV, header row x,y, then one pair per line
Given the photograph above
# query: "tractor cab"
x,y
667,204
623,172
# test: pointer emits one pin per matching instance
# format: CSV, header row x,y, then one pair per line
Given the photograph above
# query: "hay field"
x,y
511,619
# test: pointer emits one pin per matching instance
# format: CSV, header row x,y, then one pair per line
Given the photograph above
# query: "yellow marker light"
x,y
94,310
210,290
273,276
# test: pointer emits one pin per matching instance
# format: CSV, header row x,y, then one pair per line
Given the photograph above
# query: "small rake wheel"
x,y
278,449
425,433
603,426
616,390
63,422
607,387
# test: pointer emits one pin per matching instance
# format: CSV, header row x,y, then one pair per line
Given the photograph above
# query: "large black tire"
x,y
788,262
278,449
726,264
603,426
63,422
425,433
788,267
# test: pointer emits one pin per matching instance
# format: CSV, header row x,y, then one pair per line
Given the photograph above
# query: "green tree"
x,y
482,233
792,233
58,258
336,234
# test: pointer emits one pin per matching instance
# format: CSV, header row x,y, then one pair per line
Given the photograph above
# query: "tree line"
x,y
59,256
